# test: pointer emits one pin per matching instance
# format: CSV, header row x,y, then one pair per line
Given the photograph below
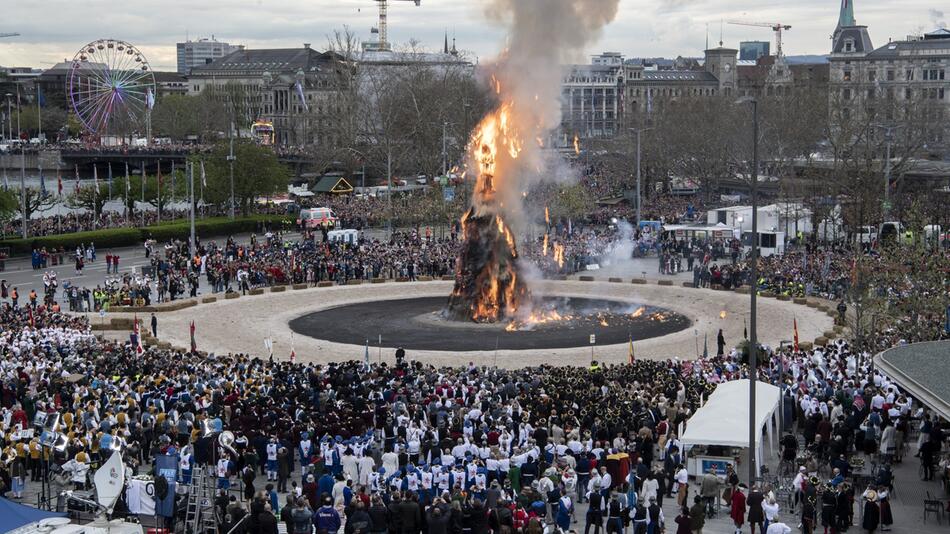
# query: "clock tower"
x,y
721,63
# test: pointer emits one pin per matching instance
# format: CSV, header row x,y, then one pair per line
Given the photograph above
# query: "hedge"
x,y
123,237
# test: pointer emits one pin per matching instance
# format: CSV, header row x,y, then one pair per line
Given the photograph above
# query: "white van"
x,y
345,236
865,234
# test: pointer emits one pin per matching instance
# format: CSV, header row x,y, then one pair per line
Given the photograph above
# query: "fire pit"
x,y
424,324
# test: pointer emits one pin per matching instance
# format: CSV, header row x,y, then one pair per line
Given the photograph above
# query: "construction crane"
x,y
777,27
9,34
381,29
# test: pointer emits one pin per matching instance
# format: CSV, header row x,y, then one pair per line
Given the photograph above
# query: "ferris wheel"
x,y
111,88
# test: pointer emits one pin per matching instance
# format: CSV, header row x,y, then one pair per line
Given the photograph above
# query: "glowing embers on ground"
x,y
563,314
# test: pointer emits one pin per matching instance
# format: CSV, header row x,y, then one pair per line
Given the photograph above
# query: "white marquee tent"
x,y
724,418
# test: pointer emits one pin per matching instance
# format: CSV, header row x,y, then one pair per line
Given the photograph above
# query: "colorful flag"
x,y
795,327
43,192
194,344
204,178
95,178
110,181
303,99
76,168
59,182
128,183
293,353
630,356
136,337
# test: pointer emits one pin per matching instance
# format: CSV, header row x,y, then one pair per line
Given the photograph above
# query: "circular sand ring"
x,y
242,325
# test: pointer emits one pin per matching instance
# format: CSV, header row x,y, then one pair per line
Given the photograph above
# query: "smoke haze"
x,y
543,35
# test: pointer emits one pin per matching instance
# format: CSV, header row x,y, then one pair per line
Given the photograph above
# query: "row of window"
x,y
932,93
890,75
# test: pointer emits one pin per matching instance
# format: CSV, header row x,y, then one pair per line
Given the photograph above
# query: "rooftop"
x,y
923,370
273,59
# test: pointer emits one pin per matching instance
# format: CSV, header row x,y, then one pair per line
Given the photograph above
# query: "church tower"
x,y
849,38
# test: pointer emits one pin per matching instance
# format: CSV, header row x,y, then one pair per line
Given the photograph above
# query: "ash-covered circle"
x,y
421,324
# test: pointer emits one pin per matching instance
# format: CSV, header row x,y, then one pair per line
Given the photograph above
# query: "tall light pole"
x,y
9,116
754,276
445,169
389,186
231,159
23,218
638,131
191,190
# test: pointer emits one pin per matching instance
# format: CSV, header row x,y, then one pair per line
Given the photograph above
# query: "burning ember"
x,y
488,287
505,150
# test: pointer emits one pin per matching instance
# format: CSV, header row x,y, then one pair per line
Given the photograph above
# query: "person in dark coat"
x,y
378,515
756,513
872,514
720,344
437,521
829,507
410,515
479,518
267,522
359,521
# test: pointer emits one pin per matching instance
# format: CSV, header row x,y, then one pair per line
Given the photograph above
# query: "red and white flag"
x,y
136,336
795,327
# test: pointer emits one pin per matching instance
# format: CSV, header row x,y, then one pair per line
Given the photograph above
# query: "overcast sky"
x,y
52,30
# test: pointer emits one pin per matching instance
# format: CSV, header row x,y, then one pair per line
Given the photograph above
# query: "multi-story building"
x,y
290,88
753,50
202,52
591,104
901,73
645,89
170,83
601,98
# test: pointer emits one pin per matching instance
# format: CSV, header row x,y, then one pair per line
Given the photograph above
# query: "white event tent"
x,y
724,419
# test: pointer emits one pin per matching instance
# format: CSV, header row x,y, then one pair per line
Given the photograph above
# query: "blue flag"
x,y
42,184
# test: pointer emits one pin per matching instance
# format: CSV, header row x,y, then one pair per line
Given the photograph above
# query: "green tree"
x,y
9,204
88,198
34,201
257,173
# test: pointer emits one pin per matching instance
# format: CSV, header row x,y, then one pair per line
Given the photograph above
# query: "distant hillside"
x,y
806,59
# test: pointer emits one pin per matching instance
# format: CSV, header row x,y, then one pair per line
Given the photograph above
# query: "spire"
x,y
846,17
445,50
454,51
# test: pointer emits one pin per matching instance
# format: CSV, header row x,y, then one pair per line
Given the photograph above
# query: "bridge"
x,y
149,159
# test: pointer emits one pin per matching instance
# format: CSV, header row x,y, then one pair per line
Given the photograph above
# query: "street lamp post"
x,y
231,159
23,216
638,131
9,116
445,169
389,186
754,276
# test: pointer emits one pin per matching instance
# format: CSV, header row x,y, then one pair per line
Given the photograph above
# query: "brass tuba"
x,y
226,441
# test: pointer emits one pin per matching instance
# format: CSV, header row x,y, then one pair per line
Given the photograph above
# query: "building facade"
x,y
202,52
753,50
896,76
290,88
591,98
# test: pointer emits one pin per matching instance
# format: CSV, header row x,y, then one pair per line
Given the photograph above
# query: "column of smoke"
x,y
544,35
506,150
